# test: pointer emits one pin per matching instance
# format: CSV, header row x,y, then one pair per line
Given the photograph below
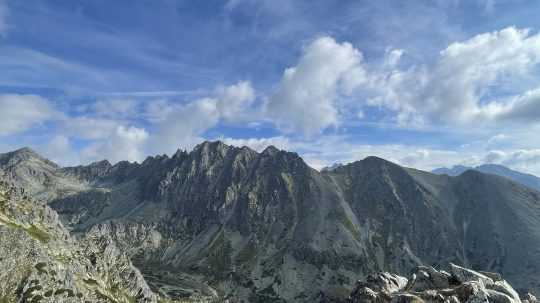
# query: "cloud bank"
x,y
486,83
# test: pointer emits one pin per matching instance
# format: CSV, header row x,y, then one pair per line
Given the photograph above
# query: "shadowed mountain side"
x,y
267,227
529,180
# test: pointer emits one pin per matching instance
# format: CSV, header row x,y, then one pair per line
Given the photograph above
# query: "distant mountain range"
x,y
529,180
223,222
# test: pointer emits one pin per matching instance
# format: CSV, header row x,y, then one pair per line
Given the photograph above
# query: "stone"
x,y
466,275
384,282
425,278
428,284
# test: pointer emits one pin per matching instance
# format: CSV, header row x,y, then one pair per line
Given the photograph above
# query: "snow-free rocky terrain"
x,y
499,170
41,262
426,284
226,222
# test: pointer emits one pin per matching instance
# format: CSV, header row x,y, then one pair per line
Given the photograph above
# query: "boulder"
x,y
505,288
383,282
529,298
425,278
430,285
463,275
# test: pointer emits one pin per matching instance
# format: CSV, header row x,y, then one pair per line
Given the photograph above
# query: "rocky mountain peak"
x,y
270,150
179,153
26,151
24,154
471,175
376,161
370,165
102,165
90,172
283,230
212,147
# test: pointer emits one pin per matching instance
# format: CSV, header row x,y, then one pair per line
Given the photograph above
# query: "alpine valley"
x,y
222,223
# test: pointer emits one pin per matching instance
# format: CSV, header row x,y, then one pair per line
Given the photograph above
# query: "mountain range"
x,y
529,180
223,222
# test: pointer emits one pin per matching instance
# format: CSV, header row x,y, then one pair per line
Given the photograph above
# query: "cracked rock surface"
x,y
429,285
222,222
41,262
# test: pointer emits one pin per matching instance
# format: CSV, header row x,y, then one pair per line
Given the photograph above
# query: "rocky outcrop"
x,y
429,285
41,262
261,227
42,179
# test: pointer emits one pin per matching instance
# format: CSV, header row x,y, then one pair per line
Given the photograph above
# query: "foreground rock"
x,y
41,262
222,221
427,284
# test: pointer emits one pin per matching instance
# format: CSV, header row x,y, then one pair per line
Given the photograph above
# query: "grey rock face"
x,y
465,275
41,262
499,170
425,277
221,221
384,282
463,285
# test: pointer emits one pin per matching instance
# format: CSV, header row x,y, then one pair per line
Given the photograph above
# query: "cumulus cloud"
x,y
60,151
157,110
89,128
330,86
182,125
259,144
124,143
392,58
456,89
330,150
523,108
327,150
233,101
21,112
306,100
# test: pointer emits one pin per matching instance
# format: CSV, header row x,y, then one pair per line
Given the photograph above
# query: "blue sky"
x,y
421,83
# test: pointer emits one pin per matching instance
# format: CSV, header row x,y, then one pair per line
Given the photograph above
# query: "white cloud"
x,y
329,86
330,149
456,89
259,144
125,143
335,150
393,56
182,125
234,100
21,112
60,151
89,128
306,100
158,110
523,108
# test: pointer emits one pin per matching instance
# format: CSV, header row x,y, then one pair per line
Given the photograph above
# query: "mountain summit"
x,y
529,180
222,221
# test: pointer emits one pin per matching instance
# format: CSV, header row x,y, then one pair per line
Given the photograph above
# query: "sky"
x,y
425,84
